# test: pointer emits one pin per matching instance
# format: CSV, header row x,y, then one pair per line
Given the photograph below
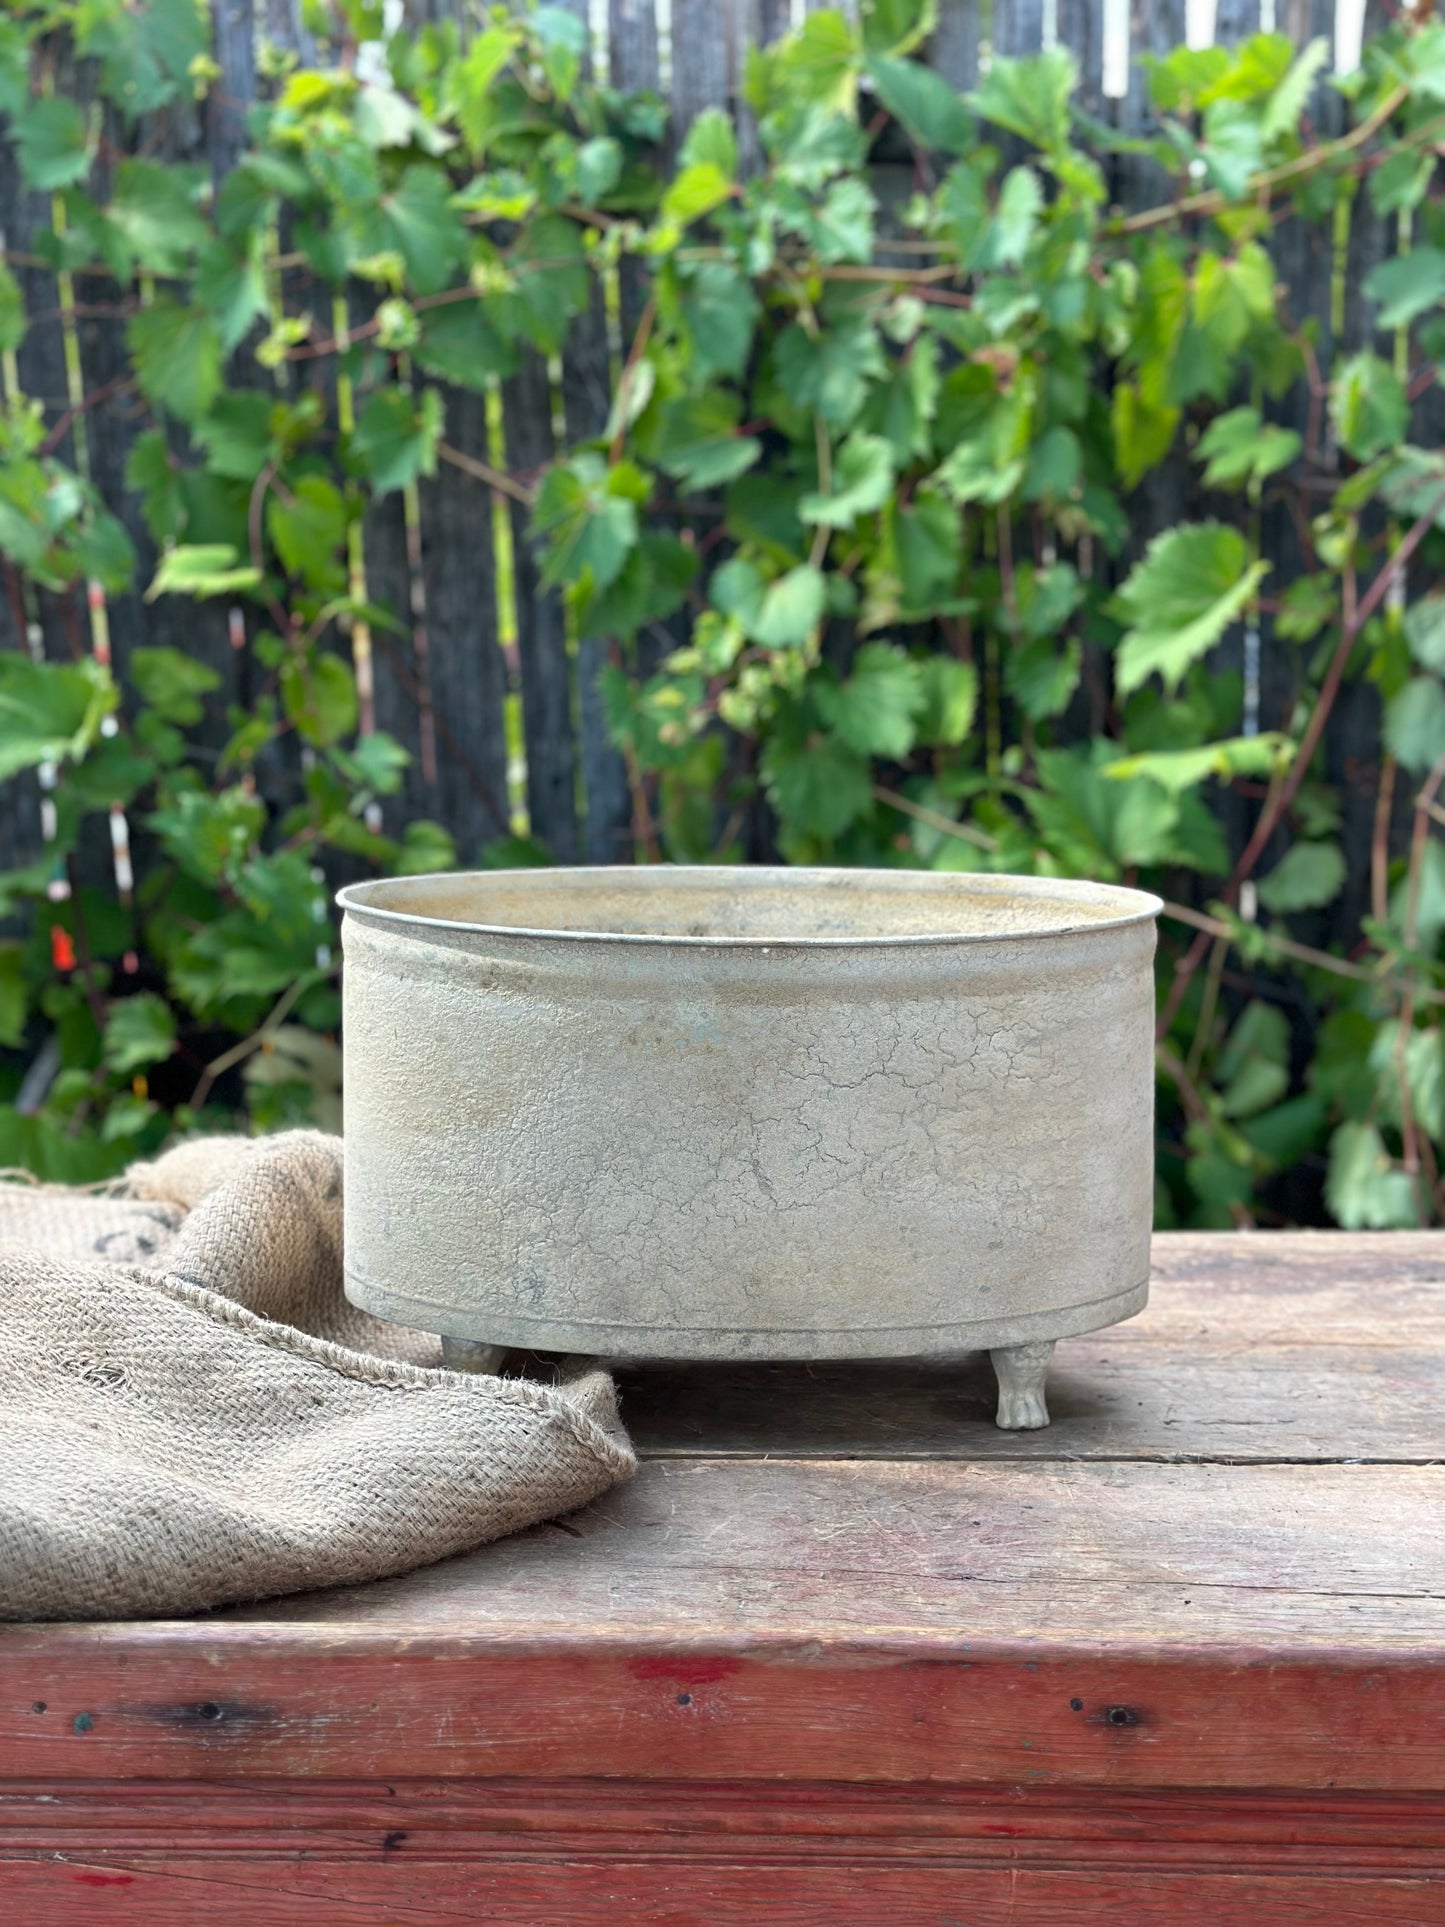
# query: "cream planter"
x,y
751,1113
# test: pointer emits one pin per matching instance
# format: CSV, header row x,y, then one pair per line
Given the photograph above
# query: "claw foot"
x,y
1021,1371
464,1355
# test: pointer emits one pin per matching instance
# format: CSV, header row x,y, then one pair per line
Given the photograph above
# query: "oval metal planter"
x,y
751,1113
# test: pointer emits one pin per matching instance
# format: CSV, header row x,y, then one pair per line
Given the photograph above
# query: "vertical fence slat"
x,y
1018,27
632,45
1352,746
953,50
1155,27
469,671
233,26
1081,31
285,24
702,58
546,669
586,403
1235,20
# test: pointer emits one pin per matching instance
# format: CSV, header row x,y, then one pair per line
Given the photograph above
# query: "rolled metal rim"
x,y
1097,906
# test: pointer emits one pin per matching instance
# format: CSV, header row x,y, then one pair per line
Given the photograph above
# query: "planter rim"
x,y
1096,907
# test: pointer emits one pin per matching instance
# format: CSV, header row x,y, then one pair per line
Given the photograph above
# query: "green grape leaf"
x,y
1425,632
1365,1189
930,111
1041,675
1029,97
875,710
586,514
172,683
396,439
1239,449
140,1030
1307,876
830,374
308,527
177,353
862,482
202,569
720,313
896,26
153,209
54,143
1415,723
318,694
696,191
696,441
819,788
1192,583
948,693
49,711
1406,285
1368,407
1181,769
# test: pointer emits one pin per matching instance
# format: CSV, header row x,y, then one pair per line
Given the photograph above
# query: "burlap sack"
x,y
192,1413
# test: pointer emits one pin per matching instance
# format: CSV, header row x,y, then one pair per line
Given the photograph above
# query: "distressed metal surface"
x,y
748,1113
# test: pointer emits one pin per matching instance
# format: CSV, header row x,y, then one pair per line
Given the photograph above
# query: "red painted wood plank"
x,y
1327,1833
712,1892
1037,1713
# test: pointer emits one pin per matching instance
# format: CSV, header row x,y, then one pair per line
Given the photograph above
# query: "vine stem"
x,y
935,819
480,786
640,339
1380,841
1213,201
361,651
97,609
1410,1137
1197,1112
1357,614
258,1039
64,423
496,478
644,830
1423,812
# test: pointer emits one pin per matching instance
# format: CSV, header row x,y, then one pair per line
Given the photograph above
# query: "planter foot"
x,y
1021,1371
463,1355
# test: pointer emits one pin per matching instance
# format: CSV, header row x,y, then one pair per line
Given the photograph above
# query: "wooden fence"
x,y
443,689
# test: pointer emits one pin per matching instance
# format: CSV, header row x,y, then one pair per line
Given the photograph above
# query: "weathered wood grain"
x,y
1330,1831
698,1693
143,1851
713,1892
796,1689
1133,1557
1276,1347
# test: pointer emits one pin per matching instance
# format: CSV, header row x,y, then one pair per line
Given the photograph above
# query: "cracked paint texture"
x,y
750,1147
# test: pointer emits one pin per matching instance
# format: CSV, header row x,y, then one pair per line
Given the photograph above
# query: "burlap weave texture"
x,y
192,1413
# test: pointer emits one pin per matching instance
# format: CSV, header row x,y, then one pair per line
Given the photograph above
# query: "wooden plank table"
x,y
842,1653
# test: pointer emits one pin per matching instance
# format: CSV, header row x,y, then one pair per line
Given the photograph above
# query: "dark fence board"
x,y
546,667
632,61
703,57
954,47
1018,28
468,669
